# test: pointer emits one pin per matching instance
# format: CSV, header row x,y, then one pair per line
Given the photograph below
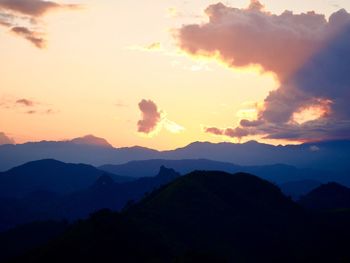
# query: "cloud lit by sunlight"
x,y
172,126
314,112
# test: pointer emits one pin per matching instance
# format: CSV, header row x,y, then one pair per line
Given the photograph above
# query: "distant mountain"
x,y
80,150
296,189
327,197
92,140
204,217
100,194
49,175
278,173
105,193
327,155
183,166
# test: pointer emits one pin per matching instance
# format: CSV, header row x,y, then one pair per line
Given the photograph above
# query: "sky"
x,y
162,74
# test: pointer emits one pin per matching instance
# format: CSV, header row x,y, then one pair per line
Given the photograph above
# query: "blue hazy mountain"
x,y
87,149
49,175
277,173
327,155
104,192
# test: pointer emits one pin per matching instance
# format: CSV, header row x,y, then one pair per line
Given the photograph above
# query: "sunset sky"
x,y
162,74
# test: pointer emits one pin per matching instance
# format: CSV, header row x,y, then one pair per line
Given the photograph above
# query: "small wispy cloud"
x,y
27,106
152,47
22,17
25,102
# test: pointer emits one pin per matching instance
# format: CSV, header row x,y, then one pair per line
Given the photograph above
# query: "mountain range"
x,y
324,155
200,217
50,189
50,175
80,191
276,173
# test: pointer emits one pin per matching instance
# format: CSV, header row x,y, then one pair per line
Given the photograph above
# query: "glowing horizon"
x,y
101,59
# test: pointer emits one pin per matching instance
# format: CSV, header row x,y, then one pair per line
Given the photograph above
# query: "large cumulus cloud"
x,y
309,54
22,17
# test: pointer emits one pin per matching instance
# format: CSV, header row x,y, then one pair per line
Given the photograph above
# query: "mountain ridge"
x,y
327,155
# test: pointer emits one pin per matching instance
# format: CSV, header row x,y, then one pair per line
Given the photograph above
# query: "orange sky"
x,y
102,59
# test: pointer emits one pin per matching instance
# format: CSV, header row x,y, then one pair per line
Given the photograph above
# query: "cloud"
x,y
152,47
25,105
32,36
154,119
214,130
4,139
22,17
150,116
229,132
171,126
252,36
314,148
33,8
248,123
309,55
25,102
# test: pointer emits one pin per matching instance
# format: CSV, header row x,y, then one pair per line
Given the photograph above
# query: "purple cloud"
x,y
309,54
150,116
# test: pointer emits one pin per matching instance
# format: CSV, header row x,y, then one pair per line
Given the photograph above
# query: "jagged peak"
x,y
164,171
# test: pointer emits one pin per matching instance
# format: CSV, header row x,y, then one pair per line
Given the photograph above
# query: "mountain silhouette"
x,y
204,212
204,217
99,194
92,140
49,175
76,151
326,155
105,193
296,189
277,173
217,208
327,197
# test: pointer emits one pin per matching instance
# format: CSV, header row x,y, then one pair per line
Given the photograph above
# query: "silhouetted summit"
x,y
49,175
221,212
204,217
163,171
92,140
327,196
296,189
